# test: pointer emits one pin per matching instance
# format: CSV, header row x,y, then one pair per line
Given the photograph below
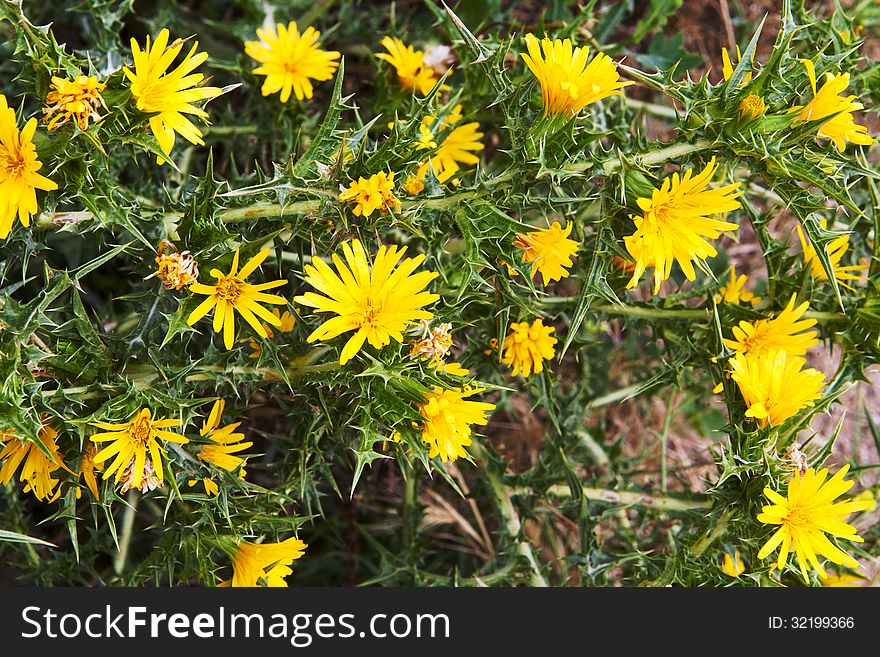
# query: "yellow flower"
x,y
458,147
727,66
38,468
752,106
448,418
231,293
87,469
675,222
371,194
211,488
549,250
77,99
827,101
735,291
568,82
377,302
135,446
844,580
413,185
527,347
836,249
412,72
453,368
733,566
227,442
269,562
783,332
169,94
176,270
806,515
774,385
290,60
19,179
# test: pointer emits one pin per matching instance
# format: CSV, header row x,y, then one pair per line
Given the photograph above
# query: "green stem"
x,y
663,111
127,527
661,502
720,527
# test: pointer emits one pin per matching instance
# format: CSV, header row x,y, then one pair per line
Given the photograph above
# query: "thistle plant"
x,y
307,342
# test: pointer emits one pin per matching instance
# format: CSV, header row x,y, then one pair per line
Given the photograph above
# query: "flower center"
x,y
370,315
140,430
752,103
12,162
229,288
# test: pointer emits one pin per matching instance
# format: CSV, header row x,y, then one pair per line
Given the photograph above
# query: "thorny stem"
x,y
661,502
504,498
127,527
720,527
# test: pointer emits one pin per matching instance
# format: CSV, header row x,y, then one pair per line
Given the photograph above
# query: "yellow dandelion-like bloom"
x,y
227,443
412,71
87,469
371,194
136,446
457,148
752,107
549,250
19,179
175,270
231,294
37,468
568,82
735,291
786,332
378,302
169,94
827,101
733,566
836,249
526,347
290,60
448,418
413,185
806,515
727,66
774,385
675,224
269,562
78,100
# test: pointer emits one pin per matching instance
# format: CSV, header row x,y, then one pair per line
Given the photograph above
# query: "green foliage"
x,y
87,335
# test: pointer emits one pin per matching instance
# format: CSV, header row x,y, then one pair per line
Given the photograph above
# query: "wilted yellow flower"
x,y
19,179
135,446
453,368
784,332
169,94
843,580
176,270
752,107
527,347
371,194
727,66
227,442
377,302
806,515
412,72
87,469
458,147
288,321
231,293
733,566
675,224
836,249
549,250
568,82
735,291
448,418
434,345
290,60
269,562
77,99
211,488
774,385
827,101
37,469
149,480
